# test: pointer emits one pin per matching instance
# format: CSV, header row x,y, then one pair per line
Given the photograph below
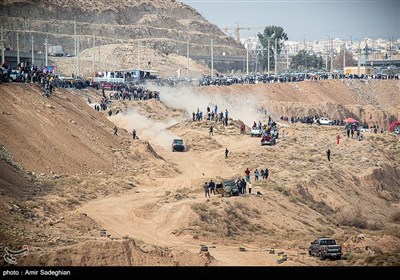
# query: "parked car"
x,y
363,129
325,247
256,131
15,76
178,145
324,121
228,188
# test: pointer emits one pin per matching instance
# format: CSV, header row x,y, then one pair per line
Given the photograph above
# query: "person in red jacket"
x,y
247,172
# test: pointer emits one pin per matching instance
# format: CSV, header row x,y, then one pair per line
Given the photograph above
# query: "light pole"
x,y
331,53
247,58
45,51
276,56
138,46
2,46
344,56
18,59
268,58
212,59
33,53
187,69
328,54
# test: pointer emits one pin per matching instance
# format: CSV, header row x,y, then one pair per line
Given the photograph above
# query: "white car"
x,y
362,129
255,131
324,121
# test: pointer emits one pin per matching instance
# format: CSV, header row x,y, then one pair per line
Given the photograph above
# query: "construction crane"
x,y
237,29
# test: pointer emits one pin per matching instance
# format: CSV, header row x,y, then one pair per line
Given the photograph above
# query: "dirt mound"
x,y
59,135
125,252
374,102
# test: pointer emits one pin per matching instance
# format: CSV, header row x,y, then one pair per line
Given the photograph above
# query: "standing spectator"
x,y
266,173
226,117
226,152
338,139
206,189
262,174
256,175
328,154
115,130
239,185
212,187
243,185
211,132
249,187
134,133
247,172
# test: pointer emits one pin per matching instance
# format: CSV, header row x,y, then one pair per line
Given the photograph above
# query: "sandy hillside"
x,y
127,56
150,200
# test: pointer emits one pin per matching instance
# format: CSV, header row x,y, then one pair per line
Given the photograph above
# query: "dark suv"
x,y
178,145
325,247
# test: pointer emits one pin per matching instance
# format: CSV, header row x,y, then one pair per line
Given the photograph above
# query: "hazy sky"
x,y
312,20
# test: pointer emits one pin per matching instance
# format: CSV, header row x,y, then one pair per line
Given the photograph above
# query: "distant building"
x,y
366,70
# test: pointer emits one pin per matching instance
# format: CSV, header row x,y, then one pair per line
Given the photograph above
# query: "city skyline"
x,y
306,20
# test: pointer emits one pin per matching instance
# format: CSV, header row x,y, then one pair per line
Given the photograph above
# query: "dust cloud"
x,y
245,107
153,131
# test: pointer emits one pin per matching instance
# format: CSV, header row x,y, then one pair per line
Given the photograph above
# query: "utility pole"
x,y
45,51
75,36
187,51
247,59
344,57
287,60
390,52
77,59
359,59
326,58
3,59
331,53
138,46
94,53
33,53
100,59
268,57
276,56
18,59
212,59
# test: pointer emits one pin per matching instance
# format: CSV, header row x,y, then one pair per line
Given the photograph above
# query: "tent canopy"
x,y
393,125
350,120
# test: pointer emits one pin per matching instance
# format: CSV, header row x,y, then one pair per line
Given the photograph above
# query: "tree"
x,y
338,60
271,32
303,60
